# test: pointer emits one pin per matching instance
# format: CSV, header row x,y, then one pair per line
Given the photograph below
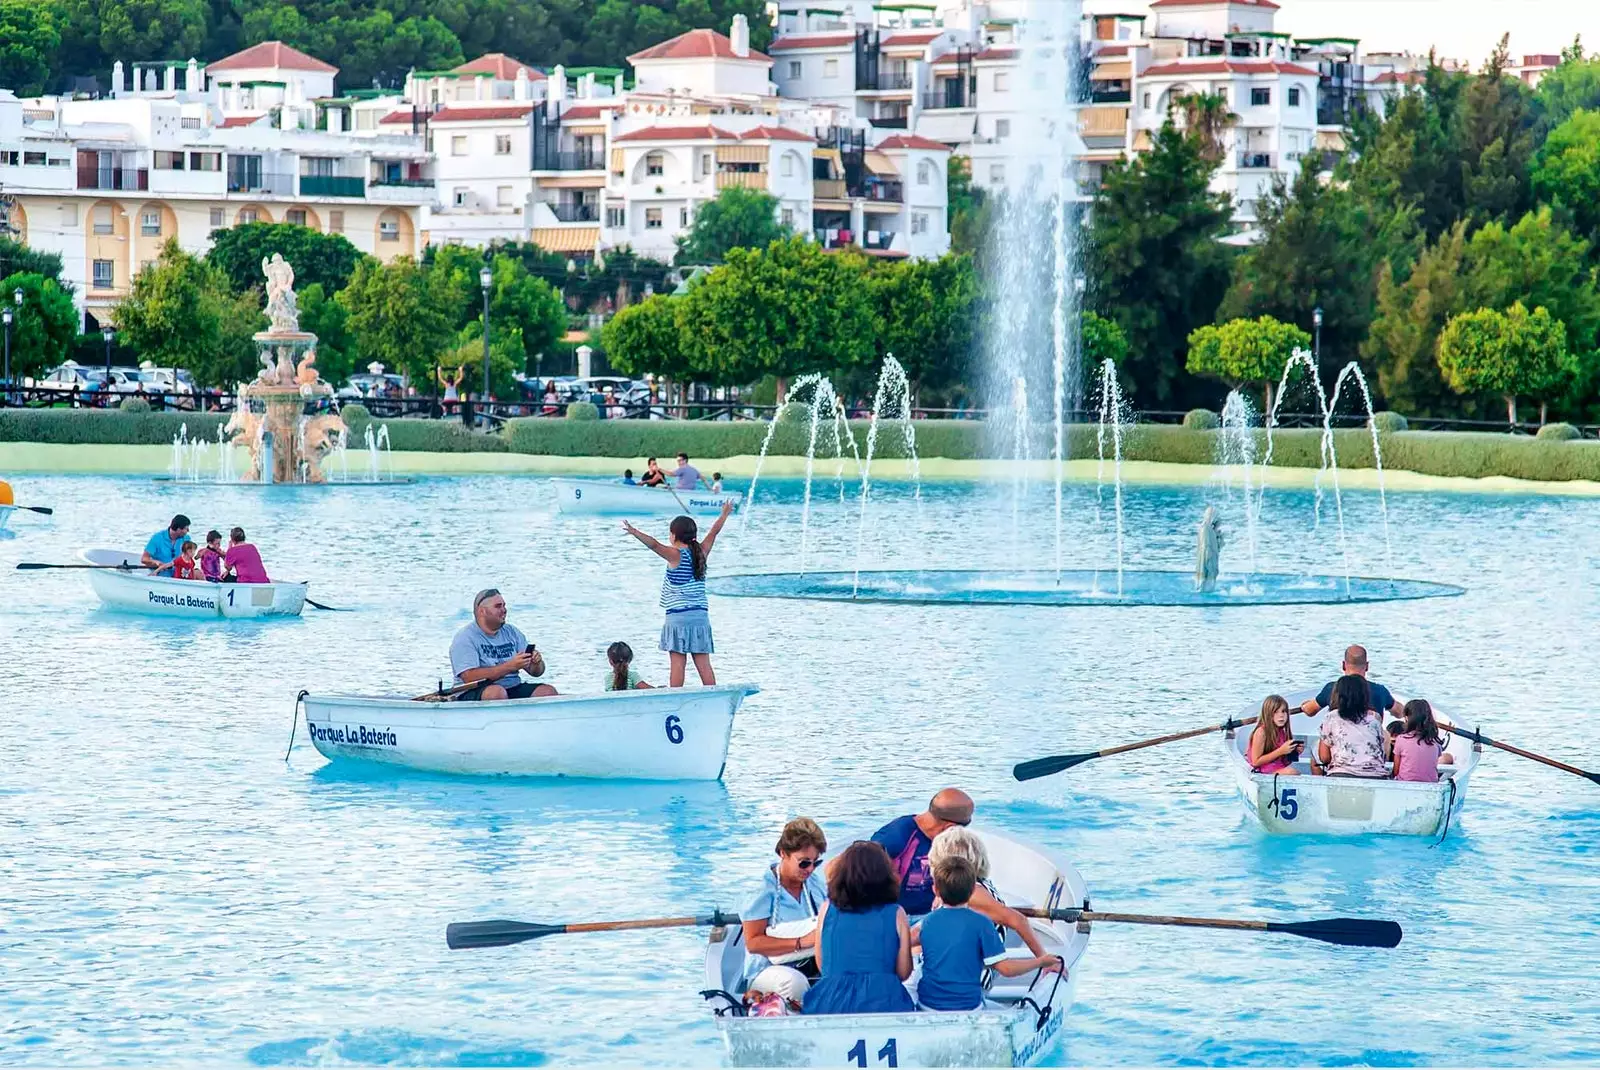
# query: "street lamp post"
x,y
1316,342
485,280
108,334
6,315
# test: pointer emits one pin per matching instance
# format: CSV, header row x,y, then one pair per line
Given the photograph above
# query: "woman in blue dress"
x,y
864,942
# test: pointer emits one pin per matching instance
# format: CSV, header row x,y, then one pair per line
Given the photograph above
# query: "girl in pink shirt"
x,y
1273,748
1419,747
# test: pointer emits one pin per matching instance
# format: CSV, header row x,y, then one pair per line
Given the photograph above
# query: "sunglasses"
x,y
809,863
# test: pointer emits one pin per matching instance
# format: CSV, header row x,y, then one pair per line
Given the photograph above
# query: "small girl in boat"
x,y
184,567
687,631
1273,747
716,482
622,676
1419,747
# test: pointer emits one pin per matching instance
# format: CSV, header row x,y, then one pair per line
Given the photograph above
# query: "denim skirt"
x,y
687,631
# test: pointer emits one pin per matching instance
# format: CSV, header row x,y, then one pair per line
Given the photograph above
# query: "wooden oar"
x,y
1478,737
1351,932
1047,766
124,567
465,934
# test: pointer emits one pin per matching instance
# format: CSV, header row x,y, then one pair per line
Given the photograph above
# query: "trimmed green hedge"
x,y
106,426
114,427
1440,453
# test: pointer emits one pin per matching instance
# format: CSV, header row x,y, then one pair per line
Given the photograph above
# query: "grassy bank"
x,y
611,444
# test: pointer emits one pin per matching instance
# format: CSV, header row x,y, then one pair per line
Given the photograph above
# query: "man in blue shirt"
x,y
165,547
1355,663
909,839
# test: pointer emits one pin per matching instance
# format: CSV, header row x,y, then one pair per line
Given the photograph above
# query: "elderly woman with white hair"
x,y
961,842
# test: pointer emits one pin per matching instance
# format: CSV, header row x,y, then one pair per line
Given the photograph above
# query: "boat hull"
x,y
5,513
1347,806
138,591
587,496
1010,1033
654,734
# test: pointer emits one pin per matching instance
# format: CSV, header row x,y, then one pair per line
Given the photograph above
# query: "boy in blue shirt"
x,y
958,943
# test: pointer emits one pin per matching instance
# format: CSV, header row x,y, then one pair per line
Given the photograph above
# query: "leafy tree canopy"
x,y
1505,353
321,259
30,34
738,218
44,327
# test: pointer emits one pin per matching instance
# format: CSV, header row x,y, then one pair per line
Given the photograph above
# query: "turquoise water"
x,y
173,891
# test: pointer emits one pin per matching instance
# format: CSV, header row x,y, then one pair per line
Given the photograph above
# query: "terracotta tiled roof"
x,y
395,118
501,66
696,44
912,141
910,37
469,114
1268,4
774,133
1225,66
819,40
589,111
1111,50
1396,77
238,120
704,132
997,52
270,54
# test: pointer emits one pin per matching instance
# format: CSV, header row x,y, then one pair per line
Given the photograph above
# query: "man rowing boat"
x,y
492,654
165,547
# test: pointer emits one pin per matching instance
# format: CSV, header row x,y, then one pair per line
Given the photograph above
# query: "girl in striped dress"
x,y
687,631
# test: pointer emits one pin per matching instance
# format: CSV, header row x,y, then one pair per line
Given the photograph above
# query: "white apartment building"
x,y
183,150
604,168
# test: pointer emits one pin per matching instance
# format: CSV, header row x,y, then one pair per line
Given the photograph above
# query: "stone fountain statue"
x,y
286,415
1208,551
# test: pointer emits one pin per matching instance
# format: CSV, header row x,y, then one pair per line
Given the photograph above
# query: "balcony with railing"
x,y
741,179
269,182
878,240
576,160
952,94
890,191
113,178
889,122
828,189
576,212
331,186
888,82
1257,161
834,237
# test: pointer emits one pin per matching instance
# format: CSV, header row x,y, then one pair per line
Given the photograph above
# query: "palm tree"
x,y
1205,117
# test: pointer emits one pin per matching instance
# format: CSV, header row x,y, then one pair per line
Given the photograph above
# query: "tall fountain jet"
x,y
1032,349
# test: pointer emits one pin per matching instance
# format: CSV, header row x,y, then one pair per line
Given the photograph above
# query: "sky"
x,y
1460,29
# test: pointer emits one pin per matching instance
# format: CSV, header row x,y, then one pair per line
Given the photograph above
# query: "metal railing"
x,y
888,81
576,213
957,97
414,183
261,182
116,178
331,186
584,160
1256,161
894,191
889,122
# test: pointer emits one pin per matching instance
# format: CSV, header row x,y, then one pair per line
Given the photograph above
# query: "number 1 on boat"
x,y
888,1054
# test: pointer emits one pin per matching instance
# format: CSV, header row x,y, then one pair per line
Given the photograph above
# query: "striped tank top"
x,y
680,591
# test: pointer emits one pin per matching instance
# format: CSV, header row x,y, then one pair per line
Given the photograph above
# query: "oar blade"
x,y
1349,932
42,510
468,934
1050,766
29,566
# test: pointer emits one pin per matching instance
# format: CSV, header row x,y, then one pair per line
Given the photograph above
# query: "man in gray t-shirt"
x,y
492,654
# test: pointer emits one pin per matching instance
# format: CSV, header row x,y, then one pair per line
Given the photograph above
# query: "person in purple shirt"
x,y
687,475
909,839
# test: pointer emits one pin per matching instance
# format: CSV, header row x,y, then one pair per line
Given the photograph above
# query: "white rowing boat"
x,y
595,496
1021,1028
134,588
1347,806
645,734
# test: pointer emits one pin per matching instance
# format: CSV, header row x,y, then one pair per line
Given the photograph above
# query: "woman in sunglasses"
x,y
793,890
